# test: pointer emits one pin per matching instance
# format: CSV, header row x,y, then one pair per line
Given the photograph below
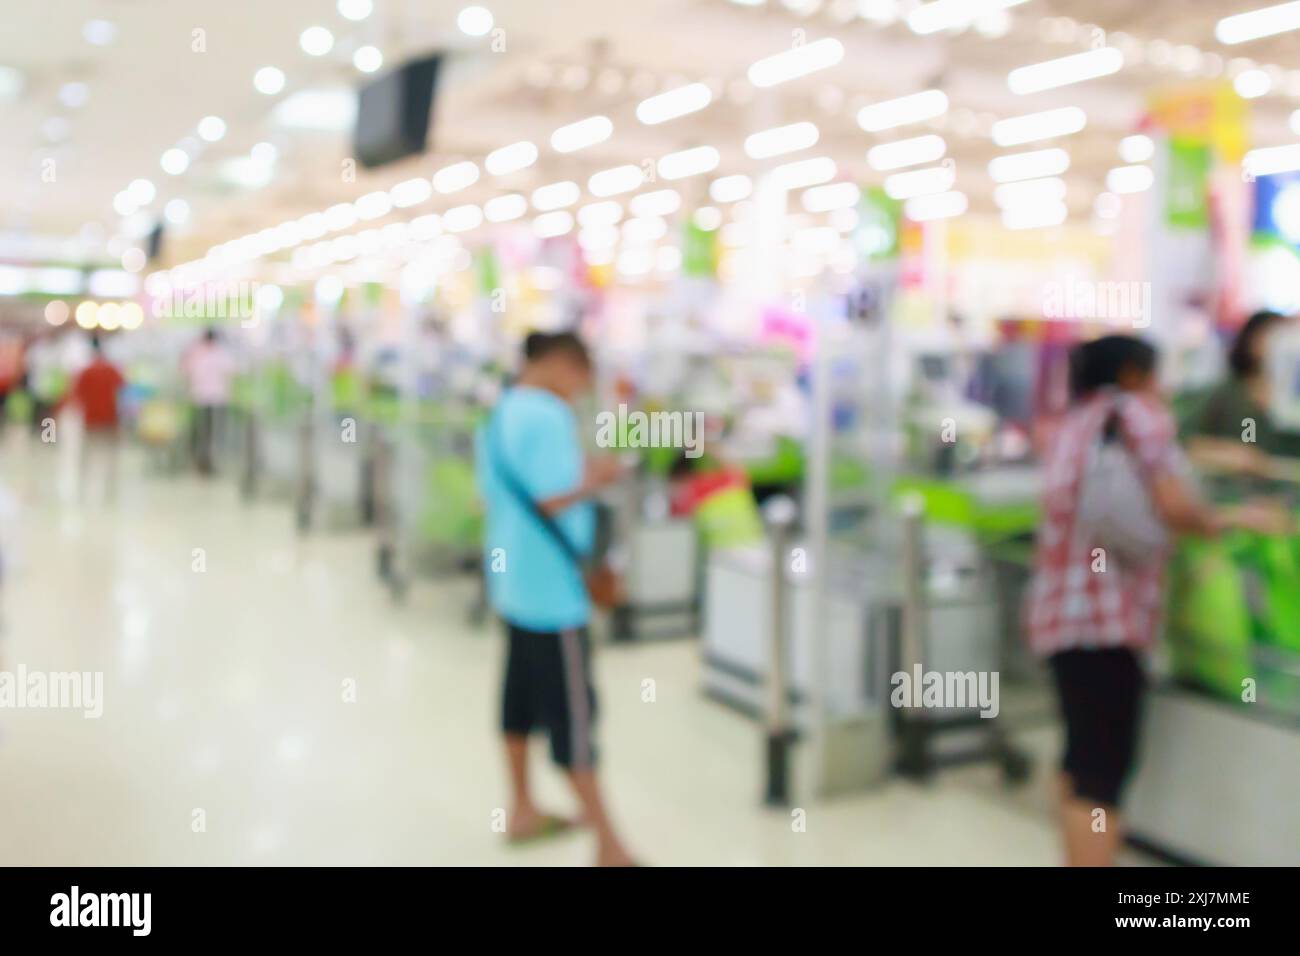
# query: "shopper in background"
x,y
1091,614
536,488
46,377
1234,431
209,368
95,391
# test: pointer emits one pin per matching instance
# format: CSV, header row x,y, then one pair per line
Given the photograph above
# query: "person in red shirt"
x,y
95,391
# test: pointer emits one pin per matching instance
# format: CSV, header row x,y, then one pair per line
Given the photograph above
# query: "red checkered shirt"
x,y
1070,603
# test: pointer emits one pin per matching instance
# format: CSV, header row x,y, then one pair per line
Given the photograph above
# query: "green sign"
x,y
1187,186
876,235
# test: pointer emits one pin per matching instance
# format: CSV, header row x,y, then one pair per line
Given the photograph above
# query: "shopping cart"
x,y
431,521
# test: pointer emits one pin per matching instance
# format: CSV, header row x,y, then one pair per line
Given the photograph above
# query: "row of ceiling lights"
x,y
821,54
269,80
766,72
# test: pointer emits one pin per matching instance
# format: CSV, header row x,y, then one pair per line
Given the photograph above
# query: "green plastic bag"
x,y
729,518
1210,627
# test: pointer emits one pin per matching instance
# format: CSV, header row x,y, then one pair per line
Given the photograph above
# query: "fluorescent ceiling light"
x,y
427,227
1035,126
177,212
246,172
355,10
331,111
689,162
1065,70
906,152
953,14
1030,191
1136,148
314,225
268,80
611,182
1271,159
58,281
510,159
674,103
804,173
462,218
112,284
475,21
782,139
455,177
411,192
1252,84
914,108
552,224
597,237
1130,179
600,214
556,196
72,95
707,218
340,216
175,161
832,196
661,202
212,128
13,280
373,205
733,188
920,182
796,62
11,82
1035,216
505,208
649,229
1265,22
316,41
368,59
939,206
1031,165
580,135
99,32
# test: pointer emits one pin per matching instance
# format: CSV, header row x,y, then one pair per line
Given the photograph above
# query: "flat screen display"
x,y
393,113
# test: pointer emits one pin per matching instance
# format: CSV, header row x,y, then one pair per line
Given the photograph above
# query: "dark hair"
x,y
1241,358
1101,362
541,344
209,334
96,344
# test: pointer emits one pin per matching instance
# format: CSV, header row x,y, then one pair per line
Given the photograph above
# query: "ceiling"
x,y
172,62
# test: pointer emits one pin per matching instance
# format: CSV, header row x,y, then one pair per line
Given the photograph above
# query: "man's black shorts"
x,y
548,687
1101,700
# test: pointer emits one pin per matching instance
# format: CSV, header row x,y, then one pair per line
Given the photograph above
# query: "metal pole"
x,y
779,513
913,745
816,525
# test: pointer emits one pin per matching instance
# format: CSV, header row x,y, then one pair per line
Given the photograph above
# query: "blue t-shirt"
x,y
532,583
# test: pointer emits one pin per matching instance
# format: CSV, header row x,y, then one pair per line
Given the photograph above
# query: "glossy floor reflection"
x,y
228,645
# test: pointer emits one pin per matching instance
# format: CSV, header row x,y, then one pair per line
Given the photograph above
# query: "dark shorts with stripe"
x,y
548,688
1101,693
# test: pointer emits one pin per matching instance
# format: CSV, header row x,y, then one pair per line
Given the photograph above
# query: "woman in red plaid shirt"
x,y
1090,614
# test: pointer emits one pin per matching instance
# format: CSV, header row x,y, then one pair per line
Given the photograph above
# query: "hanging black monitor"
x,y
393,113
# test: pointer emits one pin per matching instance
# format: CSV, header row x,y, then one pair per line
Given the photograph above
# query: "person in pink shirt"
x,y
208,367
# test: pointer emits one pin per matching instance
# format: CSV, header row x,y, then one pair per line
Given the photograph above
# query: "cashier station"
x,y
962,621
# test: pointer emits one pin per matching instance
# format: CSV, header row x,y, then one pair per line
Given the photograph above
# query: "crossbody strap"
x,y
516,488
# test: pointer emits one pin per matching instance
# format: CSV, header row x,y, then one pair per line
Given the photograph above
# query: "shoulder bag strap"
x,y
516,488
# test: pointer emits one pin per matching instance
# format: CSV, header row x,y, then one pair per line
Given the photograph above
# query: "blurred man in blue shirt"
x,y
532,468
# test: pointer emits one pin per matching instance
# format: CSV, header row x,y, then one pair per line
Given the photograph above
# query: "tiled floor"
x,y
226,644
